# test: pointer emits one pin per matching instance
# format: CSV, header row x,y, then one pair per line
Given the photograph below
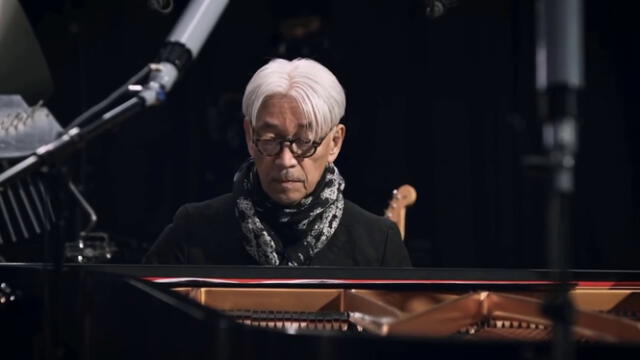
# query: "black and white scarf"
x,y
281,235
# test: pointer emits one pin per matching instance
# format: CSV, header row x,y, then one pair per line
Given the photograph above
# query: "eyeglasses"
x,y
299,147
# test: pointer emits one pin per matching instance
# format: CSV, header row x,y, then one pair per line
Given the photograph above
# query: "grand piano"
x,y
116,311
187,312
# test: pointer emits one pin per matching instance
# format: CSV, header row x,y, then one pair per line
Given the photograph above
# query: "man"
x,y
287,206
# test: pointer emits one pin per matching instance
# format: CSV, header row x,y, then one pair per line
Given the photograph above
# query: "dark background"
x,y
447,105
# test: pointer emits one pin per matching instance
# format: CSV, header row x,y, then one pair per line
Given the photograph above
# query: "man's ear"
x,y
336,141
247,136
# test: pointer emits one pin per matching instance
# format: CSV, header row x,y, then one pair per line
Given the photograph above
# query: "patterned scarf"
x,y
280,235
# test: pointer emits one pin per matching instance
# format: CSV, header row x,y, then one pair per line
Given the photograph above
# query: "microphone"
x,y
437,8
182,46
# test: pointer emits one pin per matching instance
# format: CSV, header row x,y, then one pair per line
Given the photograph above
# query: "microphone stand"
x,y
70,141
182,46
559,76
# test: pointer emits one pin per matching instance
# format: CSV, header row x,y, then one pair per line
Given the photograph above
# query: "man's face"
x,y
287,179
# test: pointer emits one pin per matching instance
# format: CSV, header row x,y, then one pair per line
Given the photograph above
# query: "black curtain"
x,y
447,105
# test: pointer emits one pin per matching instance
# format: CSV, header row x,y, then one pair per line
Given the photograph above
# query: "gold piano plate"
x,y
602,315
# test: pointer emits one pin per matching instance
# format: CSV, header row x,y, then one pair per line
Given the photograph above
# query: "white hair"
x,y
313,86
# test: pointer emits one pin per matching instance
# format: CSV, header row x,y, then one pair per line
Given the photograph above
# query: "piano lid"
x,y
354,276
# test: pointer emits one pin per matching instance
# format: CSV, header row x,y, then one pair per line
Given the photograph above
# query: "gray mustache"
x,y
290,179
285,176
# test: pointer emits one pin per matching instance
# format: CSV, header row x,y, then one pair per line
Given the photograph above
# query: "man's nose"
x,y
286,158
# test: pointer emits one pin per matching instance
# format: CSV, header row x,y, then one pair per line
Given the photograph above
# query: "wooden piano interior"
x,y
602,314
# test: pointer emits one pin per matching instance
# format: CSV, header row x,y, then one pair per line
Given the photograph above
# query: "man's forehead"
x,y
283,115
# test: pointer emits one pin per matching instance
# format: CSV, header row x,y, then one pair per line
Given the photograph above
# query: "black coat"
x,y
208,233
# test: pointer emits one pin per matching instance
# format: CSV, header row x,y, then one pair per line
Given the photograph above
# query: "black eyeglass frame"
x,y
290,141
